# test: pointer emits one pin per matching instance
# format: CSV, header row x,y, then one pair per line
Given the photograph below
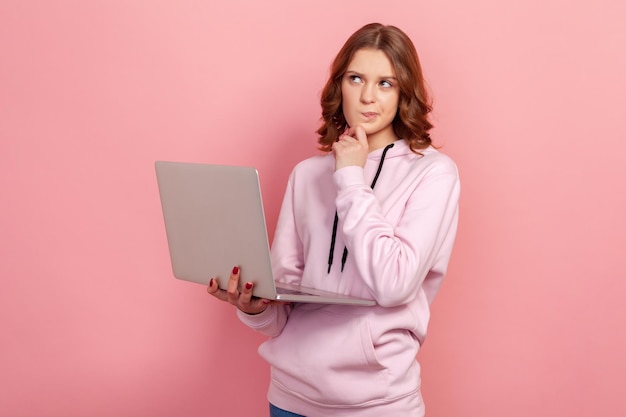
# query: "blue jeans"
x,y
279,412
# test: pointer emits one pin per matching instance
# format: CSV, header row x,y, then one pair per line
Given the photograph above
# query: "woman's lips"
x,y
369,115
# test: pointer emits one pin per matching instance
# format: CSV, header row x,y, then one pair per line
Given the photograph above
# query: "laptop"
x,y
214,220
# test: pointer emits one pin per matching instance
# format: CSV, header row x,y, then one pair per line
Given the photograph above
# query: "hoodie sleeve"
x,y
287,265
270,322
393,262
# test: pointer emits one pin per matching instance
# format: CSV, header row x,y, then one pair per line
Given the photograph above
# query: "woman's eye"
x,y
386,84
355,78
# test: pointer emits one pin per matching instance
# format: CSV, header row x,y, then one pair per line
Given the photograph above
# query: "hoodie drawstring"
x,y
332,241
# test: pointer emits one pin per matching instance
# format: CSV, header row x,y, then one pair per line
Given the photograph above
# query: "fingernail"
x,y
248,285
266,301
211,282
235,270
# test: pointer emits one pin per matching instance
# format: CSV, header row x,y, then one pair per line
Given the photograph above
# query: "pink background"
x,y
529,102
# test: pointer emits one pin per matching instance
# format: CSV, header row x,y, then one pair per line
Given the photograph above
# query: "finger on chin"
x,y
360,134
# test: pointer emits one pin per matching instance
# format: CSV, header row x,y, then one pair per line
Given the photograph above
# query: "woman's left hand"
x,y
351,148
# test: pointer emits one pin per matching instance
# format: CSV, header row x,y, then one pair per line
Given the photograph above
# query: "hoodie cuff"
x,y
256,321
348,177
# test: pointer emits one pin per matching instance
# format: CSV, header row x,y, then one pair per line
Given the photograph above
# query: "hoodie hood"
x,y
399,148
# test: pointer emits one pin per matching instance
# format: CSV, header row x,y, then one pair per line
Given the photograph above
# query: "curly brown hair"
x,y
411,121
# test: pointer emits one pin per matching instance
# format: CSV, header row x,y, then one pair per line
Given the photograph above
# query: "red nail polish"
x,y
248,285
211,282
235,270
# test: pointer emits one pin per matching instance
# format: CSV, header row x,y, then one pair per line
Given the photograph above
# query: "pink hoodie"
x,y
333,360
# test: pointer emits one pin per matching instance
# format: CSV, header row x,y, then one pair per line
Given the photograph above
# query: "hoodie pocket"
x,y
327,357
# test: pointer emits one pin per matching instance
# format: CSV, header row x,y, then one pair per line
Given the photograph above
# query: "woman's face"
x,y
370,94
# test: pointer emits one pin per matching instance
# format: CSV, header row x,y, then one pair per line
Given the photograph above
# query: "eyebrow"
x,y
386,77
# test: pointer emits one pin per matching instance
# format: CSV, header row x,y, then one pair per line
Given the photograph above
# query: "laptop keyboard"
x,y
294,292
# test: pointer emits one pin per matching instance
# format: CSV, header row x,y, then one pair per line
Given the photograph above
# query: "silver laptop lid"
x,y
214,220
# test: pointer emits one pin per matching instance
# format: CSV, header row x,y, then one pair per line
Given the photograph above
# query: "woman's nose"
x,y
367,94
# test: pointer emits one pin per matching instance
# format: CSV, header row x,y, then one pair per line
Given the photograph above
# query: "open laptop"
x,y
214,220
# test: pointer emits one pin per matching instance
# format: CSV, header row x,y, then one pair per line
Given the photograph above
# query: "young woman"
x,y
375,217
